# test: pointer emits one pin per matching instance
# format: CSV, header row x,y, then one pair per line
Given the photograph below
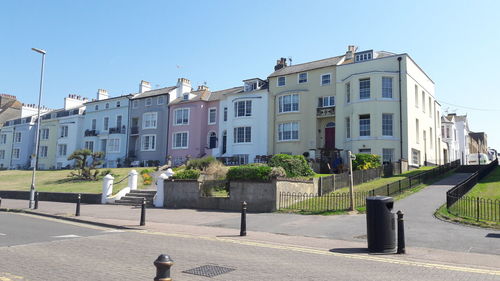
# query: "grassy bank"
x,y
58,181
488,187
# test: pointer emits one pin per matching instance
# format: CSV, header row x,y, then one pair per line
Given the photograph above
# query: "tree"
x,y
86,163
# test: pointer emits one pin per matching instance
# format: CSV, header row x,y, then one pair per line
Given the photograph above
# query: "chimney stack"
x,y
351,49
281,63
102,94
183,87
203,88
144,86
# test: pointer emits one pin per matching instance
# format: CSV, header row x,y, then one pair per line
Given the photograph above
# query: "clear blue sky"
x,y
114,44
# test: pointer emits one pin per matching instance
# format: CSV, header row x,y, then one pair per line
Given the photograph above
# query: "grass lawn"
x,y
58,181
384,180
488,187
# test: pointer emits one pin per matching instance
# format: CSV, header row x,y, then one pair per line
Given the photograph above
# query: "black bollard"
x,y
163,264
143,212
78,201
0,202
243,228
401,234
36,200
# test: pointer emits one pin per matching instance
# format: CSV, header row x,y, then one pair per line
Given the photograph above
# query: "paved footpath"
x,y
427,238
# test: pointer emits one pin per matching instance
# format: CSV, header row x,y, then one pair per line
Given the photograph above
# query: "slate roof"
x,y
205,95
156,92
307,66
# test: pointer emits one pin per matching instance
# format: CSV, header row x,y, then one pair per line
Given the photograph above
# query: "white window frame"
x,y
87,146
188,116
18,137
174,143
161,100
210,110
348,127
105,125
278,81
3,138
390,89
225,114
106,106
306,80
247,132
151,120
135,103
2,154
417,131
44,133
113,147
423,101
148,102
246,112
59,154
281,103
391,125
369,125
43,151
18,156
416,96
118,126
64,131
281,127
348,92
118,104
329,80
386,154
328,100
93,124
143,138
369,88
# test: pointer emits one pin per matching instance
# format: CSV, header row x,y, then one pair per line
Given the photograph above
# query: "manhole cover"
x,y
209,270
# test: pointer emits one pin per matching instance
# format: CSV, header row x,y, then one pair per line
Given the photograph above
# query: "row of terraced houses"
x,y
365,101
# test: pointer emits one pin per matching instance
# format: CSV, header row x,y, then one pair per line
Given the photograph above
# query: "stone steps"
x,y
135,197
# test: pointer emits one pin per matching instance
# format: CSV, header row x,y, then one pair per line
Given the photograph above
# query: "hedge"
x,y
188,174
249,172
366,161
294,165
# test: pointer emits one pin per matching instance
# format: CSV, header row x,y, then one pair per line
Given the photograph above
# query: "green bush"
x,y
188,174
200,163
249,172
294,165
366,161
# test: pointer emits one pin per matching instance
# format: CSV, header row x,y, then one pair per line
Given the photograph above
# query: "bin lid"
x,y
380,198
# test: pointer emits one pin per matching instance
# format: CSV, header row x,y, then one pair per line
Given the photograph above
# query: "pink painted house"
x,y
193,124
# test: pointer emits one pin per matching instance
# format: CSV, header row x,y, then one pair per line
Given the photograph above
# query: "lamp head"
x,y
39,51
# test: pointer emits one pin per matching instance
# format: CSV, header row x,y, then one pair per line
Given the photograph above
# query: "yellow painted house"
x,y
369,101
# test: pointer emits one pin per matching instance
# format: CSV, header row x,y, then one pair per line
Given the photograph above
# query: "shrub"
x,y
277,172
250,172
294,165
216,170
188,174
366,161
147,179
200,163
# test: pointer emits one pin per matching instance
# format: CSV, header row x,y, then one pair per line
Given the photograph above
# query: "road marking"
x,y
67,236
80,224
324,252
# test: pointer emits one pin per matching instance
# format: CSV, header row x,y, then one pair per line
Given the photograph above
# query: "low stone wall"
x,y
260,196
88,198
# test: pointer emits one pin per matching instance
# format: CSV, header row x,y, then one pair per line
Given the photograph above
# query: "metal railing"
x,y
340,201
473,207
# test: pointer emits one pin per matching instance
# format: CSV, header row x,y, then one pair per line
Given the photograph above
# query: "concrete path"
x,y
422,229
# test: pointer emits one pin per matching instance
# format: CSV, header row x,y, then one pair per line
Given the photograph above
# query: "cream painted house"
x,y
352,102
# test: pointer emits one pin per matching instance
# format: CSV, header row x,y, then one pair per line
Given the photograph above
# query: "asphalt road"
x,y
129,255
19,229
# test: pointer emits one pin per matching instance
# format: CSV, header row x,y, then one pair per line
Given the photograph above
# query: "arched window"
x,y
212,140
330,125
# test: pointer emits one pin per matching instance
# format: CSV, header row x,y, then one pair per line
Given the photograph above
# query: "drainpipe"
x,y
400,114
129,130
168,126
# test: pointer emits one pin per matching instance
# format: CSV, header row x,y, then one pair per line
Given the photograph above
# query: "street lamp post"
x,y
37,133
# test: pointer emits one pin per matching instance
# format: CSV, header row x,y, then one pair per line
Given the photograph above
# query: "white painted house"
x,y
105,127
243,122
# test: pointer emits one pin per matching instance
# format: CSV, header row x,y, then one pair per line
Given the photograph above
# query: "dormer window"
x,y
251,86
368,55
185,97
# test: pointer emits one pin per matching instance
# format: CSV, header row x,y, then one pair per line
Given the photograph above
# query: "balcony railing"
x,y
91,133
325,111
134,130
118,130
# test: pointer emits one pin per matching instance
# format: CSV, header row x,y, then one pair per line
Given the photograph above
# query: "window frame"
x,y
364,89
148,102
362,117
348,127
299,79
329,80
385,88
145,120
143,138
160,98
281,103
210,110
281,127
278,81
18,156
86,146
247,110
247,135
174,140
321,101
348,92
188,116
384,129
385,154
105,123
59,154
64,131
44,133
43,148
116,146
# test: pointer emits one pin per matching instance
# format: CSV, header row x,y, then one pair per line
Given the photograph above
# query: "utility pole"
x,y
351,187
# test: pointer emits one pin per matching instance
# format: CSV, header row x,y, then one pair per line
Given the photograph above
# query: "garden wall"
x,y
88,198
260,196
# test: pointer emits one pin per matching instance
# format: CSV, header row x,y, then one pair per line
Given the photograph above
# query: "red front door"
x,y
330,138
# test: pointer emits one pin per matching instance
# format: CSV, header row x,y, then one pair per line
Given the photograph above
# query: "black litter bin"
x,y
380,224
